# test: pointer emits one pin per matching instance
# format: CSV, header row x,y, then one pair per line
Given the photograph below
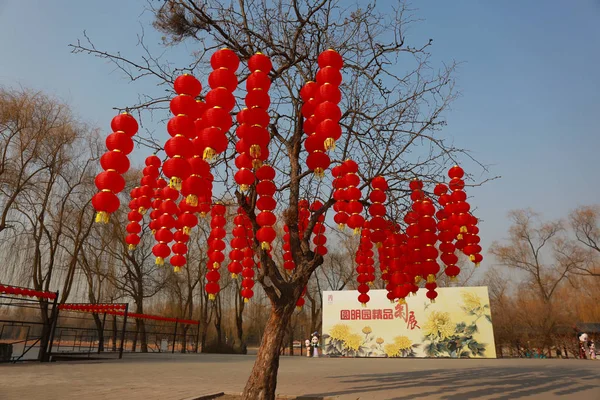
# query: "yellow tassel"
x,y
401,300
329,144
131,247
153,231
459,236
472,257
176,269
160,261
208,154
244,188
463,229
363,304
255,151
418,279
142,210
265,246
186,230
175,183
370,283
212,297
234,276
452,279
192,200
298,308
216,265
257,163
476,265
202,215
378,245
319,173
102,217
356,231
246,300
433,300
430,278
341,227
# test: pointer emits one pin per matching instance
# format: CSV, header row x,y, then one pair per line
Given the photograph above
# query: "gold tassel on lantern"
x,y
453,279
234,276
131,247
176,269
356,231
255,151
463,229
160,261
186,230
244,188
319,173
265,246
192,200
175,183
246,300
430,278
433,300
341,227
142,210
298,308
363,305
212,297
102,217
401,300
329,144
257,163
216,265
472,257
418,279
208,154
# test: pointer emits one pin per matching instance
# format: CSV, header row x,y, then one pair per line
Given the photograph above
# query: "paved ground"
x,y
176,377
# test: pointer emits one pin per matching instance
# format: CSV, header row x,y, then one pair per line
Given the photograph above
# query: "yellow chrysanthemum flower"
x,y
439,326
471,301
339,332
353,341
380,340
366,330
402,342
392,350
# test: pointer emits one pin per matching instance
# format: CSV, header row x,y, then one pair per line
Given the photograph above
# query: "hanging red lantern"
x,y
187,84
125,123
266,204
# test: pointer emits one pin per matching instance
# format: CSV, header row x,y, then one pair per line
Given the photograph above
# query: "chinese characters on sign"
x,y
401,312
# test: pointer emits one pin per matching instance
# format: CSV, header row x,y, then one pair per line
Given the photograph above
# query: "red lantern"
x,y
187,84
125,123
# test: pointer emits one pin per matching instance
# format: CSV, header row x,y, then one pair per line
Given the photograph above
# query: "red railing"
x,y
20,291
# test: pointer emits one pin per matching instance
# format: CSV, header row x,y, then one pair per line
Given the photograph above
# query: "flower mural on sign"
x,y
401,347
446,339
341,341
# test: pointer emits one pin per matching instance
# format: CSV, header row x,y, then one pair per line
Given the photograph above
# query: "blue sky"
x,y
529,82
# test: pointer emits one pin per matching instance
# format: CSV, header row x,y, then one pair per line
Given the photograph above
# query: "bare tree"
x,y
585,222
548,260
393,102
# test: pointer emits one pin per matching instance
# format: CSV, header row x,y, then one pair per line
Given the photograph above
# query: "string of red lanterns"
x,y
19,291
114,163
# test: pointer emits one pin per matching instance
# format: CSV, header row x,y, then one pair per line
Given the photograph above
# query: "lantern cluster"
x,y
339,186
288,259
352,194
168,212
319,238
428,253
364,266
216,245
219,101
134,217
238,243
18,291
377,223
156,213
115,163
256,137
181,236
328,113
248,266
182,130
266,204
446,234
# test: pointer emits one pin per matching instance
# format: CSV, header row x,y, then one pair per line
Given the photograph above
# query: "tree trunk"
x,y
141,328
263,380
114,333
100,329
184,340
45,338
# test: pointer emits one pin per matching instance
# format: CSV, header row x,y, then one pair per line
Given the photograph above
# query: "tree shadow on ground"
x,y
473,383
